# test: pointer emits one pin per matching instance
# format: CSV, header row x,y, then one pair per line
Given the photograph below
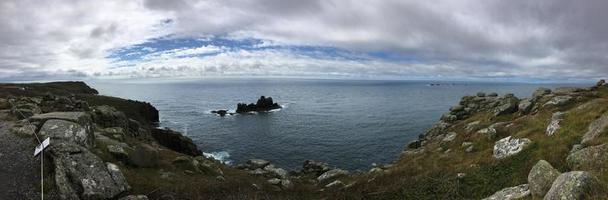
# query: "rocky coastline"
x,y
550,146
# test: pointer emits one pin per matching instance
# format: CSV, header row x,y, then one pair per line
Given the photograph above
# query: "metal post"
x,y
42,174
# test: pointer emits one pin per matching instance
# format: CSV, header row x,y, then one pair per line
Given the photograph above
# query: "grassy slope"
x,y
432,175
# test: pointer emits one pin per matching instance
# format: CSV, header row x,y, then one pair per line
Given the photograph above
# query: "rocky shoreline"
x,y
110,148
93,144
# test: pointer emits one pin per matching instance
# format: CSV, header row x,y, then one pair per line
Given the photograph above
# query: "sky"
x,y
521,40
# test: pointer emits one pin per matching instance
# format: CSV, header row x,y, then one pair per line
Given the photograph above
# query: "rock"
x,y
107,116
600,83
457,108
590,158
315,167
595,129
566,90
489,132
220,112
24,130
559,100
274,181
257,163
461,175
509,146
481,94
573,185
61,130
554,124
525,106
144,155
507,105
541,177
473,126
576,147
135,197
118,152
263,104
175,141
331,174
450,137
286,183
414,144
279,172
80,174
470,149
540,92
466,144
81,118
335,184
376,170
493,94
517,192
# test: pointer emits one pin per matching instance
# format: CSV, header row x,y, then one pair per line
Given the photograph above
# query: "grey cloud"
x,y
476,38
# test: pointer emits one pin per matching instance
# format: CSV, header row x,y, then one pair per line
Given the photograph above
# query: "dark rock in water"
x,y
175,141
220,112
263,104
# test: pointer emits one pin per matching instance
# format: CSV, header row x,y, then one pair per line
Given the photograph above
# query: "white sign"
x,y
42,146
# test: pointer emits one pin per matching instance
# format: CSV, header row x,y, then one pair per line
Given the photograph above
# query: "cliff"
x,y
551,145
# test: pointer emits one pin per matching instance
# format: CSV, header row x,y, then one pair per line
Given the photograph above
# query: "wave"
x,y
222,156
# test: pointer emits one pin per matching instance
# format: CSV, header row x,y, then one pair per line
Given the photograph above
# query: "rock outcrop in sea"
x,y
262,105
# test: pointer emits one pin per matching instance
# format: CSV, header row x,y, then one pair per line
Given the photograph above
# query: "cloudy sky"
x,y
439,39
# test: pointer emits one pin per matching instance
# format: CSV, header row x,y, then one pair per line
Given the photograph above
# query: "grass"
x,y
432,175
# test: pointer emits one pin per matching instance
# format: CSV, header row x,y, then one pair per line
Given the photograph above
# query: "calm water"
x,y
346,123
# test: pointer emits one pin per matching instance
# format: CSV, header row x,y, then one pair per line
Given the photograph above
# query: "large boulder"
x,y
516,192
541,177
144,155
107,116
574,185
525,106
509,146
595,129
553,126
176,141
540,92
506,105
559,100
80,174
589,158
61,130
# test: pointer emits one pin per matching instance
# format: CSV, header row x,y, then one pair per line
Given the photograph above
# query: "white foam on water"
x,y
222,156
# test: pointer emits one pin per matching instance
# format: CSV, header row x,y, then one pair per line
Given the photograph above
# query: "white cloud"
x,y
458,38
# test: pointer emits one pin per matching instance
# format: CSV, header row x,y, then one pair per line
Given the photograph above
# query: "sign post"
x,y
40,150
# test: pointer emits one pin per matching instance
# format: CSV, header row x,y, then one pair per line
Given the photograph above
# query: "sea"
x,y
349,124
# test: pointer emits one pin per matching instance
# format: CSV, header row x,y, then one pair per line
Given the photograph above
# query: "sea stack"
x,y
263,104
